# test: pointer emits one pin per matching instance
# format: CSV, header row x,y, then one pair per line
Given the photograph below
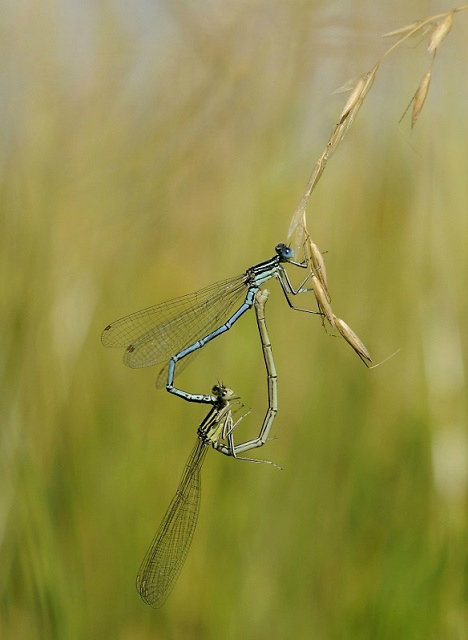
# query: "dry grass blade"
x,y
297,226
353,340
440,31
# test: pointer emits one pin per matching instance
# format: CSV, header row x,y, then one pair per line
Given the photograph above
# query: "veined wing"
x,y
168,551
126,330
155,334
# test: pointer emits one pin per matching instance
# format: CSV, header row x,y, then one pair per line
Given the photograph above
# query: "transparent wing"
x,y
155,334
168,551
128,329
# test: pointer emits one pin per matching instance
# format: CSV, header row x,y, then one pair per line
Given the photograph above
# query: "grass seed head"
x,y
316,258
322,300
441,29
353,340
353,98
420,97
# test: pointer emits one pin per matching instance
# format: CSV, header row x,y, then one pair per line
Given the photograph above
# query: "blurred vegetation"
x,y
149,149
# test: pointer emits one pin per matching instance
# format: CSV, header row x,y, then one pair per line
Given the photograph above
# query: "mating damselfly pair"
x,y
174,332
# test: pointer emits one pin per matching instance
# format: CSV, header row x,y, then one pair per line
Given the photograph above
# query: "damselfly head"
x,y
221,392
285,253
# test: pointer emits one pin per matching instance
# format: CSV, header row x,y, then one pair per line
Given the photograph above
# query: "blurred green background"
x,y
148,149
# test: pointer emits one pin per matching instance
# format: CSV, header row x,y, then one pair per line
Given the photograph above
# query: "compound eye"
x,y
215,390
284,251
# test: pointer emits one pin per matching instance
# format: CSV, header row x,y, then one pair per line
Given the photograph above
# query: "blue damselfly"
x,y
177,329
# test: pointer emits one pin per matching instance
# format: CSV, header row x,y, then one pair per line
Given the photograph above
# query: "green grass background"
x,y
149,149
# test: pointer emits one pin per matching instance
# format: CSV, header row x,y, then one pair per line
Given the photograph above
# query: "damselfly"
x,y
168,550
177,329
